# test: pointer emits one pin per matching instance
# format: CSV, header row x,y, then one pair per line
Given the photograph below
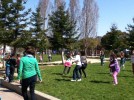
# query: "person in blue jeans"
x,y
76,74
7,68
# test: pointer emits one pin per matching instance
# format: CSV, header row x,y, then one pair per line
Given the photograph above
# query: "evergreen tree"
x,y
39,39
63,29
130,36
18,23
5,33
114,40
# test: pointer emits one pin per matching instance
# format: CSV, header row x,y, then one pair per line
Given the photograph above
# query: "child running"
x,y
114,66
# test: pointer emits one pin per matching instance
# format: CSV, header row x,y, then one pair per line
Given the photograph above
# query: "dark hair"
x,y
82,53
30,50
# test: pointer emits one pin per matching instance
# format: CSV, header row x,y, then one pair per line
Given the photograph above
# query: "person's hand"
x,y
40,81
18,81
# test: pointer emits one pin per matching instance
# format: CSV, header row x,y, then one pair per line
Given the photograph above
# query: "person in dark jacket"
x,y
12,67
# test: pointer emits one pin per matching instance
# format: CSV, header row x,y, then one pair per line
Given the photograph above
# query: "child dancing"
x,y
114,66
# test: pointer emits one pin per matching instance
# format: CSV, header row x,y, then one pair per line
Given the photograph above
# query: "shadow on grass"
x,y
62,79
127,70
126,76
102,73
63,75
57,73
95,81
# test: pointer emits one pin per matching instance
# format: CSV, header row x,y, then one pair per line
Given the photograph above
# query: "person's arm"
x,y
20,70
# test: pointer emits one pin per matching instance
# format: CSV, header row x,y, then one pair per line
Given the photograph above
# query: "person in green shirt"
x,y
28,71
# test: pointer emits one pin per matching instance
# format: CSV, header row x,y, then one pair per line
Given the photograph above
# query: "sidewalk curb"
x,y
17,88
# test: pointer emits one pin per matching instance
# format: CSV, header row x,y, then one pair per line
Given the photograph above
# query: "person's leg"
x,y
74,73
80,69
64,71
83,70
77,72
32,87
133,67
68,70
25,84
115,77
11,74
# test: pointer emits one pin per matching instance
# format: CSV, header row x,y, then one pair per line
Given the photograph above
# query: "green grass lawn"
x,y
55,57
97,86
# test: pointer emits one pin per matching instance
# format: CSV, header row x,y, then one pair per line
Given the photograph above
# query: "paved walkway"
x,y
6,94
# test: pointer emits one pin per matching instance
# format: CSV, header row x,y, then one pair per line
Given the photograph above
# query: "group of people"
x,y
81,63
28,70
115,66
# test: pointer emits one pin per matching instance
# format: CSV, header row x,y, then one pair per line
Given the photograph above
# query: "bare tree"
x,y
44,10
58,3
74,9
89,18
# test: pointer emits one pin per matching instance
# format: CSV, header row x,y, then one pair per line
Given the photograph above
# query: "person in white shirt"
x,y
132,61
76,74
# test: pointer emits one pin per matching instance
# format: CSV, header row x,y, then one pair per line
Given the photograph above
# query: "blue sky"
x,y
119,12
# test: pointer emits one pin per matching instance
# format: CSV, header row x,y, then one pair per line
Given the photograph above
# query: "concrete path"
x,y
6,94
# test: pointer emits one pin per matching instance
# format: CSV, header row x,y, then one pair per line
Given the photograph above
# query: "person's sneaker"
x,y
7,79
79,80
73,80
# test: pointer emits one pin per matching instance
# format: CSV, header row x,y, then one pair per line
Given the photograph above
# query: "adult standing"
x,y
77,60
29,70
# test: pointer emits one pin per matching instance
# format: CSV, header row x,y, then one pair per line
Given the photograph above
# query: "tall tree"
x,y
19,21
58,3
114,40
130,36
44,6
40,40
62,28
89,18
74,9
5,33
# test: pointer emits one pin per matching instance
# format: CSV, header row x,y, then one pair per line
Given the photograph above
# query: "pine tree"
x,y
40,40
130,37
18,23
5,33
63,29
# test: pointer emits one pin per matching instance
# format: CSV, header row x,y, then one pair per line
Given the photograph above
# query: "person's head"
x,y
77,53
132,52
18,55
30,50
113,57
8,56
82,53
